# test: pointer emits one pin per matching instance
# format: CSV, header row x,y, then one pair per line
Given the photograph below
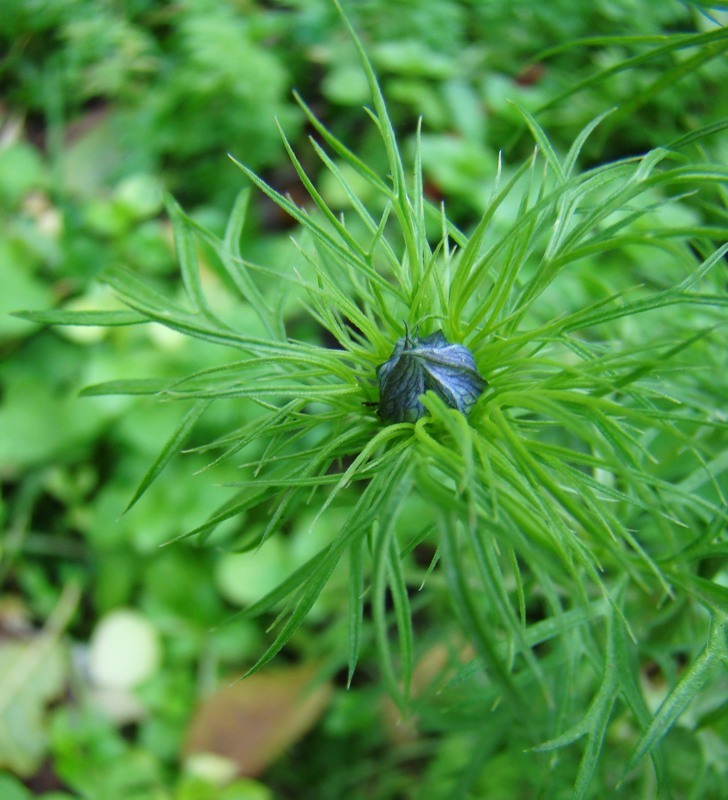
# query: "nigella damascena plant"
x,y
427,364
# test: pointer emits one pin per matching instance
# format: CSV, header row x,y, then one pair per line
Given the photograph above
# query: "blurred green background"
x,y
112,649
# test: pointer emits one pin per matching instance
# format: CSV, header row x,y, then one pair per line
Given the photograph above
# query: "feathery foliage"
x,y
581,505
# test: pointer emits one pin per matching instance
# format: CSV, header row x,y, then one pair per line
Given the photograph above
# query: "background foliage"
x,y
108,105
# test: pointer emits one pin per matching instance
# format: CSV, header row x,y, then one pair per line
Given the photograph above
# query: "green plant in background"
x,y
158,96
462,65
542,582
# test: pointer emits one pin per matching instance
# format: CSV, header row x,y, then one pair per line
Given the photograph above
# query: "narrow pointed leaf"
x,y
171,448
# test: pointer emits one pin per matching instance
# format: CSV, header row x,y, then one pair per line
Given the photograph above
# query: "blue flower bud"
x,y
431,363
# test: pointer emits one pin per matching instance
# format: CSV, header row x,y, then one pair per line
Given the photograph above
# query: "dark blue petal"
x,y
431,363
